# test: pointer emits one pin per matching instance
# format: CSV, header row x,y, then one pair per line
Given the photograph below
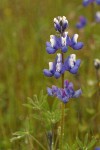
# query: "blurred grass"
x,y
25,26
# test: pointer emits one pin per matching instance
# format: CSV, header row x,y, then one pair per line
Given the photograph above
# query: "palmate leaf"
x,y
18,135
38,102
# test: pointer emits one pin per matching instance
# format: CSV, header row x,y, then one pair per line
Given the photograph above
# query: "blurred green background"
x,y
25,26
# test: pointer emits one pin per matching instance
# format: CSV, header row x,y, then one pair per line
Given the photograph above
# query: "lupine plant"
x,y
60,65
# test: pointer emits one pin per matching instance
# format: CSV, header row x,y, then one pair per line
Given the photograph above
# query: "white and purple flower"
x,y
74,44
71,64
60,24
58,43
64,94
62,43
55,68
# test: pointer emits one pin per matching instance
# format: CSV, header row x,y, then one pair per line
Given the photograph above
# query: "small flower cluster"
x,y
87,2
59,66
62,43
64,94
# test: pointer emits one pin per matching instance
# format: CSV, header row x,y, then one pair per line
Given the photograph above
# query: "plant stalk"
x,y
63,110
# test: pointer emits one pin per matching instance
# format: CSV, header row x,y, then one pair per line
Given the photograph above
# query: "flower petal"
x,y
78,46
50,50
49,91
64,49
77,93
47,73
57,74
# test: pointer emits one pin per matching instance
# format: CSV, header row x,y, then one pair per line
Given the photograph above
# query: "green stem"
x,y
42,147
62,109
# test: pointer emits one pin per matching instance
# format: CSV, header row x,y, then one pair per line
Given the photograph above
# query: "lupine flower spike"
x,y
60,66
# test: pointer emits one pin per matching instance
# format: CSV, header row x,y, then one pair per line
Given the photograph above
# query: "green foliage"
x,y
42,110
86,145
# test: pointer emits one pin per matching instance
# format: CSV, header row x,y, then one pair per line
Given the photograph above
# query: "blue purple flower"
x,y
82,22
62,43
97,17
55,68
71,64
58,43
64,94
74,44
60,24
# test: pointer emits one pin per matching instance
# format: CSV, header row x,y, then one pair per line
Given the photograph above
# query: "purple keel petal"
x,y
75,68
49,91
77,46
64,49
47,73
50,50
57,74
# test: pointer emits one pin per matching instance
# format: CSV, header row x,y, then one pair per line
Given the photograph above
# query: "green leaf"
x,y
92,143
79,142
86,139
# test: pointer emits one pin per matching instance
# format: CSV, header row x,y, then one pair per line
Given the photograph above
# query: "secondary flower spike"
x,y
82,22
60,24
87,2
64,94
